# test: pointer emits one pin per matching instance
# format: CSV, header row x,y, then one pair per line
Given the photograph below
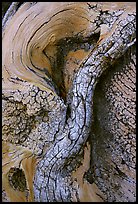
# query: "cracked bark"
x,y
52,129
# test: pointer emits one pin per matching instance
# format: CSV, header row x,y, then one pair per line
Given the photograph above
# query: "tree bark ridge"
x,y
81,107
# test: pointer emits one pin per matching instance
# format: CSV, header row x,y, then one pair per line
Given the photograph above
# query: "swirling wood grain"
x,y
35,116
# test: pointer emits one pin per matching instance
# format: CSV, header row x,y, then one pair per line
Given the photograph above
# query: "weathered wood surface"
x,y
55,55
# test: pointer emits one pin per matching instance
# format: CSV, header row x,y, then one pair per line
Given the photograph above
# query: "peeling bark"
x,y
49,119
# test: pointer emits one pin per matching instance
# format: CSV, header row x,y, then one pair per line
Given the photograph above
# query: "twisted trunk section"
x,y
35,116
68,142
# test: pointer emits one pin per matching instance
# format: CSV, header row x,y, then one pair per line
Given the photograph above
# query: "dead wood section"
x,y
56,54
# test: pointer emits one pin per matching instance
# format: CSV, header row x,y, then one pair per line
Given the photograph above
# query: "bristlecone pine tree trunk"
x,y
68,102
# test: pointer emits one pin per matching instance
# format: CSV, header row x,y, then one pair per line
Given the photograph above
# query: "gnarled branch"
x,y
52,128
